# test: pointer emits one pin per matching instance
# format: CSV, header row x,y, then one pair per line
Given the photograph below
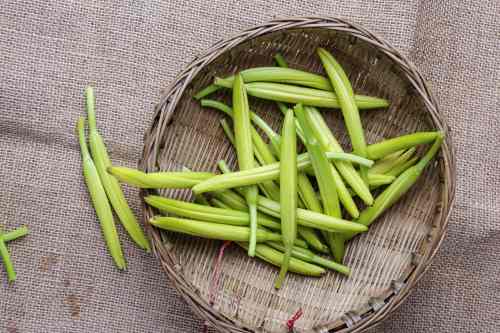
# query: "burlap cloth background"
x,y
131,50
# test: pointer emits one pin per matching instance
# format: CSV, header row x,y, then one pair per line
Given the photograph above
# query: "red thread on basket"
x,y
216,274
290,323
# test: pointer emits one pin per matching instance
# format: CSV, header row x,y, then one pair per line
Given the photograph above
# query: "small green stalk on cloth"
x,y
15,234
6,259
110,184
100,200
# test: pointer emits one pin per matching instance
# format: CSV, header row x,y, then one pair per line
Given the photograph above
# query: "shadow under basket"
x,y
386,262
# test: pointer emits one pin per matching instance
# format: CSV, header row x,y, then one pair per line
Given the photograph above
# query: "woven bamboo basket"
x,y
386,262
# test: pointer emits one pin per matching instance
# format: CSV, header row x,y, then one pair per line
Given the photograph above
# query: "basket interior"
x,y
194,139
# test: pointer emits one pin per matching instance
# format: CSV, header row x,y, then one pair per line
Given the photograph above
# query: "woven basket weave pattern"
x,y
386,262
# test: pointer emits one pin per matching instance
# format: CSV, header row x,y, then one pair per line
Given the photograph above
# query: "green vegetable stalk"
x,y
345,96
244,151
164,179
386,147
210,89
15,234
311,219
280,60
383,166
207,213
7,261
376,180
288,194
100,200
311,257
212,230
217,203
282,75
400,168
275,257
286,93
321,166
267,172
110,184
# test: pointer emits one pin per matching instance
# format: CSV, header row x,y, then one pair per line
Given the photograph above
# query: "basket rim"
x,y
377,308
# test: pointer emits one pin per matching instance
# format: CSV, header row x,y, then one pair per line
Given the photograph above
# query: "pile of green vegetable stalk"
x,y
291,209
104,190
